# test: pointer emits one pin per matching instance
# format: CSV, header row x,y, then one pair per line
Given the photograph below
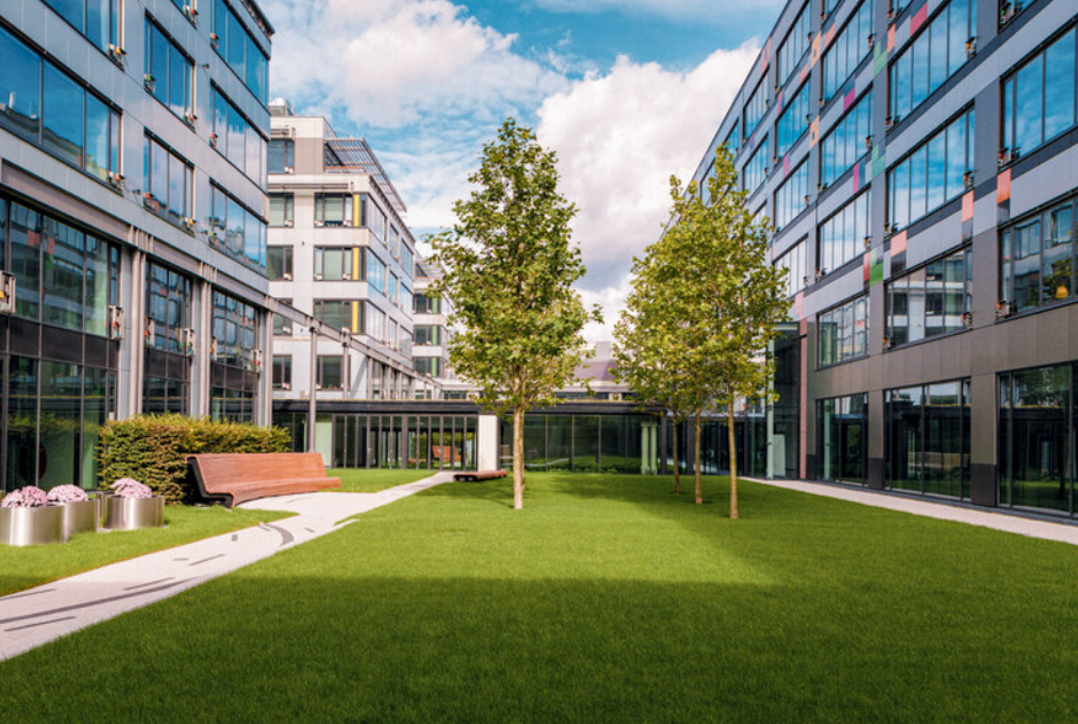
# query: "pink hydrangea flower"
x,y
67,494
29,497
131,488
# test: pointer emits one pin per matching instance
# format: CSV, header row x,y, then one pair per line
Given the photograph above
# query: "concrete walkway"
x,y
36,616
1061,531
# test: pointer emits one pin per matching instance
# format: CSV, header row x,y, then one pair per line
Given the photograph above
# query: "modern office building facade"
x,y
918,162
339,250
132,221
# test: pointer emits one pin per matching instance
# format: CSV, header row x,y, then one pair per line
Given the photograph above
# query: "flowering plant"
x,y
29,497
131,488
67,494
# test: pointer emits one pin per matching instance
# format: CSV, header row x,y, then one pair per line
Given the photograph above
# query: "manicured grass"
x,y
361,480
22,568
606,600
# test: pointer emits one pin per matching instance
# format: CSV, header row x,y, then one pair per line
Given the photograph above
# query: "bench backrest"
x,y
231,468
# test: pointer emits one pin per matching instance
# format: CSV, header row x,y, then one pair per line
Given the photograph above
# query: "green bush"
x,y
153,449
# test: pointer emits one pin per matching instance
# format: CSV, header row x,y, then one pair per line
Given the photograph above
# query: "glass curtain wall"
x,y
928,439
1037,438
842,439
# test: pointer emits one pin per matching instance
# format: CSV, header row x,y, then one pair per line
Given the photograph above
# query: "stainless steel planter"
x,y
31,526
134,513
80,517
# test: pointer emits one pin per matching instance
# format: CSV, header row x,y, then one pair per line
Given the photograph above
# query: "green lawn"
x,y
360,480
22,568
606,600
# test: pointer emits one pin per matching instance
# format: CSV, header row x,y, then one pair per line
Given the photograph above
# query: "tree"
x,y
708,295
509,267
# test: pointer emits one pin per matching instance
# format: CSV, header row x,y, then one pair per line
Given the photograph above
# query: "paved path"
x,y
1061,531
36,616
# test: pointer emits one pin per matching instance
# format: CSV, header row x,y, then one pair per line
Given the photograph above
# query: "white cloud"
x,y
390,63
707,10
619,137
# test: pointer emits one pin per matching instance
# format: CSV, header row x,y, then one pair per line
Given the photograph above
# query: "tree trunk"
x,y
677,471
733,458
518,459
696,458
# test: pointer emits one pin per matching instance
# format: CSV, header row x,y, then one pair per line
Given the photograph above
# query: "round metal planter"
x,y
134,513
80,517
31,526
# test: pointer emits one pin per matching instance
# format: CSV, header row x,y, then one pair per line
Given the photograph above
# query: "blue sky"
x,y
627,92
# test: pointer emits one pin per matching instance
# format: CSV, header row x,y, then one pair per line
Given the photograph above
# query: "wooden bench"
x,y
234,478
474,476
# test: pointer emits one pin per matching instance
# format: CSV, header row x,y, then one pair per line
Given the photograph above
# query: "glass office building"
x,y
133,215
918,160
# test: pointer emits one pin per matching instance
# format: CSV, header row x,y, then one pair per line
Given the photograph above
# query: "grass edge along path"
x,y
606,599
375,480
23,568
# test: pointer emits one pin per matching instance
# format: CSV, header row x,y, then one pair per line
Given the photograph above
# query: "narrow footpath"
x,y
36,616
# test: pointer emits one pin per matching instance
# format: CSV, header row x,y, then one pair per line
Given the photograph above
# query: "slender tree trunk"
x,y
696,458
733,458
677,470
518,459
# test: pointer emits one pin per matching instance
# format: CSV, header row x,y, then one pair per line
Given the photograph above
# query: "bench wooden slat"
x,y
234,478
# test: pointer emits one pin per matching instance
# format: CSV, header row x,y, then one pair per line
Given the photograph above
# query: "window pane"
x,y
1059,87
97,285
98,137
63,274
64,114
1029,109
20,87
26,260
179,80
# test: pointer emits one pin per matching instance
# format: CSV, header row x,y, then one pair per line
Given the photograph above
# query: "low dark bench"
x,y
474,476
234,478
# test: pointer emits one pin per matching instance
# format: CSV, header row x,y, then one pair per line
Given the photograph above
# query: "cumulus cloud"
x,y
390,63
619,137
707,10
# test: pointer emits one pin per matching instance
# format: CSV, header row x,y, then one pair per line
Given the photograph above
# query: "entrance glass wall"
x,y
928,439
1037,424
842,438
55,414
583,443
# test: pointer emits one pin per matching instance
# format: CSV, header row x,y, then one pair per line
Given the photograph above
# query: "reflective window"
x,y
375,272
167,189
847,142
795,264
930,300
168,305
928,438
235,330
98,20
842,236
1039,98
372,217
1037,430
733,140
340,314
240,50
755,171
427,334
842,332
792,197
428,366
842,438
794,120
933,56
236,138
1037,258
847,51
933,174
236,230
755,108
168,71
795,45
282,155
44,105
425,304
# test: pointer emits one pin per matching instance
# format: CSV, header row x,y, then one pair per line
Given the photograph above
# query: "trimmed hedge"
x,y
153,449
